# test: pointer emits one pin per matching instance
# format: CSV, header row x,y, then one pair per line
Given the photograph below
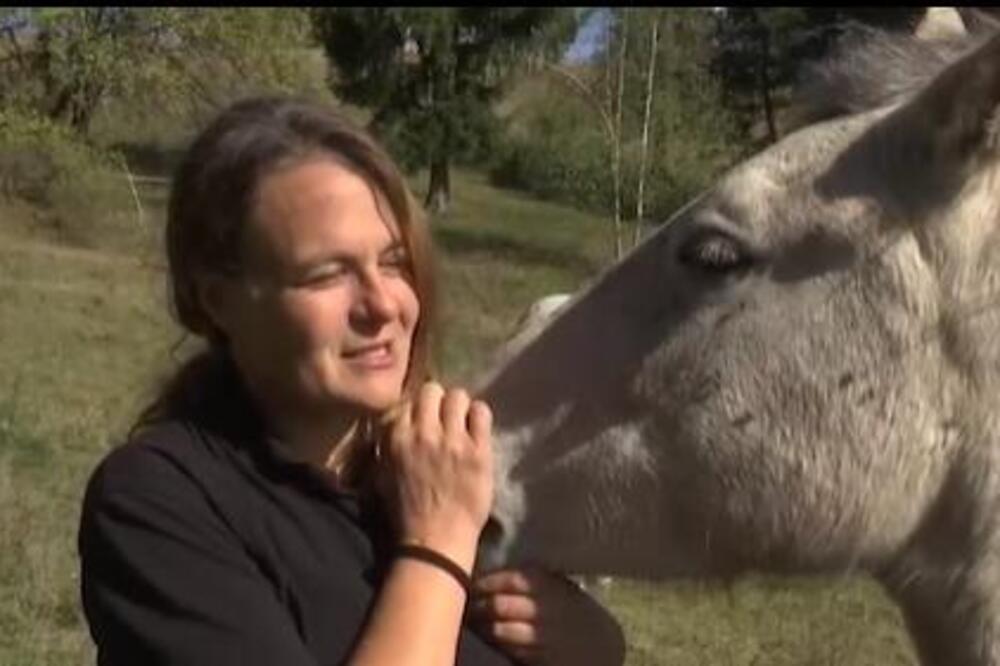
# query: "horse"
x,y
799,372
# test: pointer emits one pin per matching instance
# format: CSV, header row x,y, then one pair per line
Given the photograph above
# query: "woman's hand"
x,y
543,618
436,471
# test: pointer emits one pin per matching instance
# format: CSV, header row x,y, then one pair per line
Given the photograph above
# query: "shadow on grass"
x,y
463,243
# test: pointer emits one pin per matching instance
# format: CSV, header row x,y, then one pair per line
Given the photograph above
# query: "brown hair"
x,y
211,201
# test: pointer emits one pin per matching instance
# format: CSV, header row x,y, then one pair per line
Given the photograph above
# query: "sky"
x,y
589,38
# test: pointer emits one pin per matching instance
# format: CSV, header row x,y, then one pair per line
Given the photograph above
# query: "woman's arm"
x,y
437,479
416,619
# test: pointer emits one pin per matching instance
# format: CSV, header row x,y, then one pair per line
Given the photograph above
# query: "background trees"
x,y
429,76
661,103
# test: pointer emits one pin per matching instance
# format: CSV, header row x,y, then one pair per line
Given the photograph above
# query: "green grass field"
x,y
84,336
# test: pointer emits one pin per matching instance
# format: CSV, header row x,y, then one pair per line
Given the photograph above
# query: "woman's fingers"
x,y
454,413
427,415
508,611
439,485
515,581
541,617
480,422
506,607
400,427
515,634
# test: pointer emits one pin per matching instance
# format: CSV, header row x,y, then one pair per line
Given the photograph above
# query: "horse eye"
x,y
714,252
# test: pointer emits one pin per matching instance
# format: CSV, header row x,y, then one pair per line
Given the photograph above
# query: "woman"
x,y
300,493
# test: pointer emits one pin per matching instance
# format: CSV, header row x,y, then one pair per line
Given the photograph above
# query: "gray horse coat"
x,y
800,372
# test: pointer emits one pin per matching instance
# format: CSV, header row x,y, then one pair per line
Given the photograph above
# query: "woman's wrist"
x,y
460,549
439,561
416,619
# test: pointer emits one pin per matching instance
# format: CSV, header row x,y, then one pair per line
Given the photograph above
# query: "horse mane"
x,y
871,68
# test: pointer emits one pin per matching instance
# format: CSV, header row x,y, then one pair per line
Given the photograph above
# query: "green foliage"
x,y
205,59
760,51
557,153
126,71
180,61
430,75
410,136
78,187
558,146
79,57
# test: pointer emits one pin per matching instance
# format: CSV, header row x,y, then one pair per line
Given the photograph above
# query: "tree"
x,y
207,58
759,51
76,59
657,110
647,118
80,56
430,75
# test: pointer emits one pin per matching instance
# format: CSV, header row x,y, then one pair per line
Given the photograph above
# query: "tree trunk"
x,y
87,102
439,186
616,163
439,189
11,35
647,115
765,87
75,106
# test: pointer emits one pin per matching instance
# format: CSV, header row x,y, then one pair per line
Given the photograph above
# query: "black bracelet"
x,y
437,559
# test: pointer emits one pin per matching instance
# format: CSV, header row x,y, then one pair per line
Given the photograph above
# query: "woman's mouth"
x,y
375,356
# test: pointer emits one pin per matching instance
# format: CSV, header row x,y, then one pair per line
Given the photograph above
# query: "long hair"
x,y
212,199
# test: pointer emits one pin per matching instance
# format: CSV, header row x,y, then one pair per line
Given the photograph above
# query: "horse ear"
x,y
949,131
940,23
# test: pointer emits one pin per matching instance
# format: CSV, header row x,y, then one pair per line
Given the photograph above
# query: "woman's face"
x,y
325,315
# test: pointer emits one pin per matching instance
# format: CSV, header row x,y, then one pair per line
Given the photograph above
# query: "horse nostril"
x,y
492,552
493,531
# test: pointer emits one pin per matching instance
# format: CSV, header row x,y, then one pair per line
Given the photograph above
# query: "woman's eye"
x,y
324,277
395,264
715,253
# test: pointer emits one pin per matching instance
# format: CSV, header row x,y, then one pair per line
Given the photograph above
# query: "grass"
x,y
499,252
85,334
82,335
758,622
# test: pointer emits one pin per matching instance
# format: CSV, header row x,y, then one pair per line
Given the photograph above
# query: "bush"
x,y
465,128
549,171
569,163
79,190
555,146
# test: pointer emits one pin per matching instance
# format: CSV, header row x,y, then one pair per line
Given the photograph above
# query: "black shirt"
x,y
201,544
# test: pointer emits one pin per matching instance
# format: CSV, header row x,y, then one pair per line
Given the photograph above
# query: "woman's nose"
x,y
375,301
